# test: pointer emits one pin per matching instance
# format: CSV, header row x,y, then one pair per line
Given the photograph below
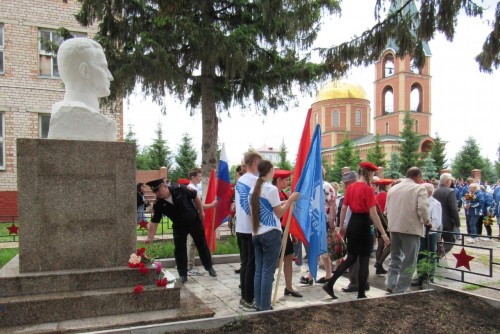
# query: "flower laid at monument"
x,y
144,263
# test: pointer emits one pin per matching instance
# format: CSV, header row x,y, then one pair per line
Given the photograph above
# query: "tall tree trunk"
x,y
210,125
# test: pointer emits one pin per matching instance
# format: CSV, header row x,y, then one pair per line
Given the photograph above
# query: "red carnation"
x,y
161,282
143,270
132,265
140,251
138,289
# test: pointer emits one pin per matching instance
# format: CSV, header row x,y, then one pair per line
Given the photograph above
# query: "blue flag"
x,y
310,207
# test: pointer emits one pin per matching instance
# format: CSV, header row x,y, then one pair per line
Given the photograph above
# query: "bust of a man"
x,y
84,71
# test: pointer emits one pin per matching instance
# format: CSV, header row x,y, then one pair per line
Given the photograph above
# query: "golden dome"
x,y
341,89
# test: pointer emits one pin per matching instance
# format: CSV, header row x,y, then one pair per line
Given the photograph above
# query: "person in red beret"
x,y
360,198
280,180
382,251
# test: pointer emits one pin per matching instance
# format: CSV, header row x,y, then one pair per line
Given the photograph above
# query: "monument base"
x,y
36,302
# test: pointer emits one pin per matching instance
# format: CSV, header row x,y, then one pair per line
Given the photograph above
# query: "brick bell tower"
x,y
399,87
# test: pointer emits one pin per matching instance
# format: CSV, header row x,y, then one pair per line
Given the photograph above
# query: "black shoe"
x,y
306,280
212,272
183,279
362,296
237,271
380,269
329,291
350,289
416,282
292,293
324,280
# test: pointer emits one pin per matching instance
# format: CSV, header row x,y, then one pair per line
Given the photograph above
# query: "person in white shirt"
x,y
429,242
244,229
266,211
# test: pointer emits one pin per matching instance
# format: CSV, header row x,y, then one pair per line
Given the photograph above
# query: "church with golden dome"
x,y
343,107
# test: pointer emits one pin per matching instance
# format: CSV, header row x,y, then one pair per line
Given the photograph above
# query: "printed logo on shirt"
x,y
266,213
243,190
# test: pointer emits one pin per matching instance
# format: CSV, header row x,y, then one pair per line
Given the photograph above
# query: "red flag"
x,y
224,190
305,142
208,222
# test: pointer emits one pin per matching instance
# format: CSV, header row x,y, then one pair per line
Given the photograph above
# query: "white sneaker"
x,y
194,272
471,240
486,239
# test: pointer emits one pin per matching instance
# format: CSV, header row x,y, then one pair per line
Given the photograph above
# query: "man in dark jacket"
x,y
446,196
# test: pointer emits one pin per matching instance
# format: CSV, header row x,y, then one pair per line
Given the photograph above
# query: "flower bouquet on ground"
x,y
337,248
141,261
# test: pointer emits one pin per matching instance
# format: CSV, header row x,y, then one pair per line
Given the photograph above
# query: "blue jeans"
x,y
267,250
472,224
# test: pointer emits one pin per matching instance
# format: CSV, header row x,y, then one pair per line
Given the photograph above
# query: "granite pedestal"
x,y
77,204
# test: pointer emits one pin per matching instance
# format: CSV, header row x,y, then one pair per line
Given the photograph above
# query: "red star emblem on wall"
x,y
463,259
143,224
13,229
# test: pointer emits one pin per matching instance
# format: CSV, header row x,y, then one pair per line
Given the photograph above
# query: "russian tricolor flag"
x,y
224,190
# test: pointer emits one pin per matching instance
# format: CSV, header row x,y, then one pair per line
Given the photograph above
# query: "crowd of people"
x,y
405,218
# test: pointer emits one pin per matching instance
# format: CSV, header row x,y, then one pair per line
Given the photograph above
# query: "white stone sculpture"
x,y
84,71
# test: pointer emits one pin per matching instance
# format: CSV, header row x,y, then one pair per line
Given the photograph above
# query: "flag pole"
x,y
213,229
283,246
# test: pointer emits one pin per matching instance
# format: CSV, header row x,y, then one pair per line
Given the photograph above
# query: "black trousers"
x,y
180,252
247,273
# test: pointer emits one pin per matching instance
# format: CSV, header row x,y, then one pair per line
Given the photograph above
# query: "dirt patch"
x,y
429,312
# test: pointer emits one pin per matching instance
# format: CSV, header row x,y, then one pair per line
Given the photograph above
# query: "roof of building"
x,y
267,149
341,89
370,139
412,11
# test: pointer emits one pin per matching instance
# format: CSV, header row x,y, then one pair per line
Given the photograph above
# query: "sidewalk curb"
x,y
440,288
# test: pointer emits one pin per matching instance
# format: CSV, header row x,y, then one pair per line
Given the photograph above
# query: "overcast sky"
x,y
464,101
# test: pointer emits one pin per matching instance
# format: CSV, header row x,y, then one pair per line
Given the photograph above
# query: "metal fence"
x,y
465,273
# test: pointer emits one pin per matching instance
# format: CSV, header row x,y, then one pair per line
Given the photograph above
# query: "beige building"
x,y
29,79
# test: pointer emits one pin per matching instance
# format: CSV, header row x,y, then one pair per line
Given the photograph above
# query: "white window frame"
x,y
2,139
40,132
358,117
2,49
50,54
336,118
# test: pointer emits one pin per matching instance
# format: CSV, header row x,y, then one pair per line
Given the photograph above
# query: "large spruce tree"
x,y
467,159
409,148
159,153
217,53
376,153
345,156
185,159
437,153
284,163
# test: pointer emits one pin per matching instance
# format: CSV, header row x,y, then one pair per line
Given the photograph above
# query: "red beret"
x,y
368,165
281,173
384,182
184,182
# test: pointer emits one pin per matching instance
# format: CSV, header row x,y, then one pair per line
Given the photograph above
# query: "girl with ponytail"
x,y
266,211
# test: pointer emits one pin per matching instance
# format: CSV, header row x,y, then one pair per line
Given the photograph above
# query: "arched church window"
x,y
416,98
358,117
413,67
336,118
388,65
388,100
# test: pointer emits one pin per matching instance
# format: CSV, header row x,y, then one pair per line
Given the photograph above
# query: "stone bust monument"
x,y
84,71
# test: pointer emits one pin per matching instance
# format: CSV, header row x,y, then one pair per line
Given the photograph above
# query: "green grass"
x,y
162,250
6,254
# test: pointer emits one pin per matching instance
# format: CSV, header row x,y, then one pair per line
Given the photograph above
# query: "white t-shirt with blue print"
x,y
242,189
269,198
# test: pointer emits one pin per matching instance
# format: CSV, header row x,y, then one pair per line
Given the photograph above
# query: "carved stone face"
x,y
99,74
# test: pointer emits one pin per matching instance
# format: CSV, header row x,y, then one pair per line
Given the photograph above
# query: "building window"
x,y
336,118
386,128
43,125
316,118
413,68
388,65
48,41
2,141
1,49
388,100
416,98
416,126
358,117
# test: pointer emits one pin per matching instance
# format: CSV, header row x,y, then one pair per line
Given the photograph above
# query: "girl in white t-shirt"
x,y
266,212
